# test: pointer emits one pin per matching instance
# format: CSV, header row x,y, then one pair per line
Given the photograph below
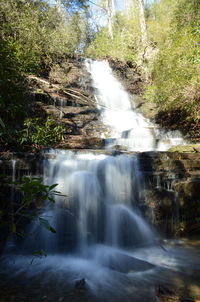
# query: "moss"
x,y
185,148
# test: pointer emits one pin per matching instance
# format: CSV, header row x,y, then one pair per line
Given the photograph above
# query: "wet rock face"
x,y
189,202
67,96
189,188
130,74
172,196
82,142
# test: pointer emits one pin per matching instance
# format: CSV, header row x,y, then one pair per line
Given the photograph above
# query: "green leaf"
x,y
2,123
59,194
51,199
46,225
53,186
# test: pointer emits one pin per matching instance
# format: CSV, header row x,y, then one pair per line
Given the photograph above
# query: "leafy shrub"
x,y
175,78
33,195
33,37
37,132
34,34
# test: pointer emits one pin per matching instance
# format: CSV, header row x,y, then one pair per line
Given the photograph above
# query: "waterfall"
x,y
127,126
102,236
100,205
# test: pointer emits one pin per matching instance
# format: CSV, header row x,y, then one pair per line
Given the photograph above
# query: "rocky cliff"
x,y
66,95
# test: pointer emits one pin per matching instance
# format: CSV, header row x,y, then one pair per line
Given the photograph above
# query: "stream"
x,y
104,248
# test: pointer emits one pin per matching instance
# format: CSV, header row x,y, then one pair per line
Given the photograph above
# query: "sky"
x,y
53,1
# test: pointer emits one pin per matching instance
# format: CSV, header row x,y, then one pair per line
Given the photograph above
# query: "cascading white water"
x,y
100,207
99,224
127,126
103,192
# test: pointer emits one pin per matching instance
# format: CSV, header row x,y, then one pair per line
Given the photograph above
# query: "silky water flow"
x,y
127,125
101,234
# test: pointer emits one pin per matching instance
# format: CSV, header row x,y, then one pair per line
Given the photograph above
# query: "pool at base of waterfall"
x,y
105,274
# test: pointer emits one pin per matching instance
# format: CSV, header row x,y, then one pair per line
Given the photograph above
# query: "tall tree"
x,y
110,7
58,4
143,24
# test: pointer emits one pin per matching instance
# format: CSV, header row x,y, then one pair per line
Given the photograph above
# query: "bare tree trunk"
x,y
128,4
113,7
110,13
143,24
58,4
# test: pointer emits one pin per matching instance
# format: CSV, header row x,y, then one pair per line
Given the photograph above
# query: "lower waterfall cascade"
x,y
102,235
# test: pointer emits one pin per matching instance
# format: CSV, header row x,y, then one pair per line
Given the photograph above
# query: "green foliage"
x,y
34,194
175,78
159,18
172,56
34,132
33,37
37,132
33,34
187,14
126,42
9,136
46,225
35,191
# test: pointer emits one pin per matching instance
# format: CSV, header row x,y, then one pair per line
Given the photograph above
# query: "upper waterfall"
x,y
127,126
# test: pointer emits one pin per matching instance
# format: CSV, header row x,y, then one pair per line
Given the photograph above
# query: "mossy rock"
x,y
185,148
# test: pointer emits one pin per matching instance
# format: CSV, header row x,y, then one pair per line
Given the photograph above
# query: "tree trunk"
x,y
113,7
110,13
58,4
143,24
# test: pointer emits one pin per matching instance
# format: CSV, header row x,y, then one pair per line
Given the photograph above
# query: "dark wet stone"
x,y
126,264
81,284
